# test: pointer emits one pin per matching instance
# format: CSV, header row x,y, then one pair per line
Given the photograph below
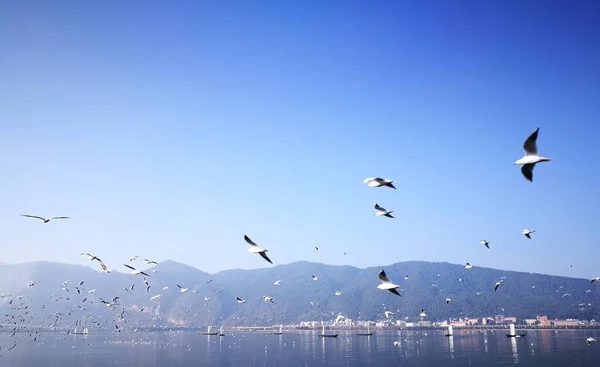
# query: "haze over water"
x,y
306,348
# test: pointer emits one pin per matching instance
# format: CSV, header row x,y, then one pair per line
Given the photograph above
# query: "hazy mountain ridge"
x,y
360,299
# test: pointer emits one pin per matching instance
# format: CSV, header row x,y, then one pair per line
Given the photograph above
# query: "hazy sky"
x,y
169,129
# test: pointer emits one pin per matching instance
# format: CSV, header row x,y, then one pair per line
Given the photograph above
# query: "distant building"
x,y
543,321
425,323
510,320
472,321
499,319
567,322
531,322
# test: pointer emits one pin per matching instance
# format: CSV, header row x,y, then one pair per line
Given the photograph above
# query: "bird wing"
x,y
389,214
377,207
389,184
247,239
366,180
264,256
530,144
496,287
383,277
129,266
141,272
593,280
393,290
527,235
527,171
33,216
60,217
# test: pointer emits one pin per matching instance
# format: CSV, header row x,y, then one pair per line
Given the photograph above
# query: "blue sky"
x,y
171,129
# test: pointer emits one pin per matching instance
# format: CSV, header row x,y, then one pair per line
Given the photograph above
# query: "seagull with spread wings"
x,y
382,212
44,220
386,284
255,249
531,157
378,182
134,271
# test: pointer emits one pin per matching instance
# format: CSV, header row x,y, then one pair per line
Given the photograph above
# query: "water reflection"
x,y
513,345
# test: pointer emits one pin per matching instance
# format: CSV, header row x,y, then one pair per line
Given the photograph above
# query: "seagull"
x,y
378,182
133,258
527,232
406,277
468,266
338,293
277,282
181,289
422,314
150,262
268,299
206,298
317,248
485,243
499,283
388,313
531,156
45,220
239,300
590,340
382,212
315,277
155,297
135,272
595,279
90,256
254,248
386,284
448,300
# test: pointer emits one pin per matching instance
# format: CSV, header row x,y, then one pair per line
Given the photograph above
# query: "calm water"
x,y
294,348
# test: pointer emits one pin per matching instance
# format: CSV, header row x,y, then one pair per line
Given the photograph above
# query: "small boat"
x,y
368,331
280,330
323,335
221,333
208,332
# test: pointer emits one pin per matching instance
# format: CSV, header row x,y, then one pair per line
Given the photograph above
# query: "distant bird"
x,y
44,220
317,248
90,256
590,340
338,293
181,289
255,249
527,232
595,279
422,314
150,262
396,343
499,283
277,282
206,298
382,212
531,157
155,297
314,277
485,243
386,284
133,258
134,271
468,266
406,277
268,299
448,300
378,182
239,300
388,314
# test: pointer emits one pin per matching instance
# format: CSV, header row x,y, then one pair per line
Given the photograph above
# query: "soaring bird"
x,y
485,243
499,283
268,299
378,182
239,300
468,266
254,248
386,284
531,157
382,212
590,340
134,271
181,289
44,220
595,279
527,232
448,300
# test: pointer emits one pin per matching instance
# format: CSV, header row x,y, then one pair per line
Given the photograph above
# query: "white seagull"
x,y
595,279
388,314
590,340
135,272
44,220
382,212
527,232
499,283
448,300
468,266
268,299
485,243
239,300
277,282
315,277
155,297
181,289
531,157
386,284
150,262
255,249
378,182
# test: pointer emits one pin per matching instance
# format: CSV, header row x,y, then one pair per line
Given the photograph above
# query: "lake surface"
x,y
302,348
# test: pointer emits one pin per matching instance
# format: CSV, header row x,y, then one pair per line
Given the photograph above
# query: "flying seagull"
x,y
590,340
254,248
468,266
45,220
382,212
448,300
527,232
239,300
386,284
388,314
150,262
314,277
485,243
531,156
499,283
181,289
338,293
595,279
134,271
378,182
268,299
277,282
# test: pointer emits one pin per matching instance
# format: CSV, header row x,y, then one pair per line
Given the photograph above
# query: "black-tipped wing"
x,y
530,144
527,171
33,216
394,291
377,207
496,287
593,280
264,256
389,215
527,235
143,273
129,266
382,276
179,286
247,239
239,299
390,185
60,217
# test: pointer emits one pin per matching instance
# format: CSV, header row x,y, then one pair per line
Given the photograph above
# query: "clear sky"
x,y
169,129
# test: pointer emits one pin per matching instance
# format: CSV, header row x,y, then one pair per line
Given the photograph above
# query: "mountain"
x,y
297,298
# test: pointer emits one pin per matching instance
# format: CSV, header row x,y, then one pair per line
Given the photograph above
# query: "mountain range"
x,y
38,294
